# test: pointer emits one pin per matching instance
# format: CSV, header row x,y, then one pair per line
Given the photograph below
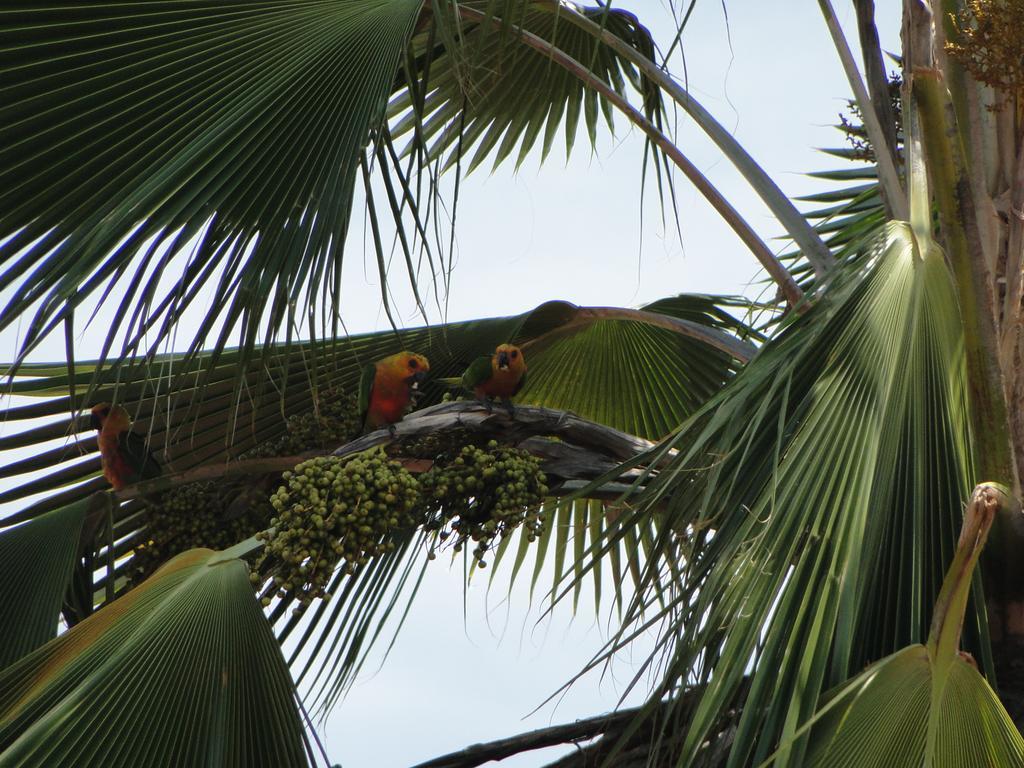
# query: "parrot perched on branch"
x,y
500,375
125,457
387,389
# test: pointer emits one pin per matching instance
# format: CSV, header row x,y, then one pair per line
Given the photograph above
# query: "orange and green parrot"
x,y
498,376
125,458
387,389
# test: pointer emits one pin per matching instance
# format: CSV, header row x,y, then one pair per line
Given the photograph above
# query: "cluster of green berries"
x,y
187,517
333,510
436,445
484,493
333,422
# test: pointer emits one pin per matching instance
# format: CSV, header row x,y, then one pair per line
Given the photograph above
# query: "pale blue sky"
x,y
572,231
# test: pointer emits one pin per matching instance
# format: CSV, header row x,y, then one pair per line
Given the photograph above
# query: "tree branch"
x,y
627,735
526,421
585,451
581,730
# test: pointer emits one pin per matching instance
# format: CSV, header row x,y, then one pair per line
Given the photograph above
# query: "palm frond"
x,y
183,670
233,131
230,140
825,482
848,217
924,705
489,93
36,563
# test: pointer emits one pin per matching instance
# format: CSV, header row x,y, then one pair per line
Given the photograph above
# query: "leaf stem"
x,y
947,621
888,177
740,350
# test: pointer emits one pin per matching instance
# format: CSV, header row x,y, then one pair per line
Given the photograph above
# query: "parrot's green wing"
x,y
138,456
520,384
366,387
478,372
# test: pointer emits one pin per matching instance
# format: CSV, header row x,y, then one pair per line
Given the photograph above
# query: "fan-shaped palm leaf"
x,y
36,563
184,670
189,150
468,103
925,704
823,483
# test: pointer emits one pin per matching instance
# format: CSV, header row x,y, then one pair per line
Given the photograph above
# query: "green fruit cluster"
x,y
484,493
333,510
436,445
187,517
334,421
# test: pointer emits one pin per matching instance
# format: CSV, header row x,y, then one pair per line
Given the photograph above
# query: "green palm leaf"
x,y
882,718
851,214
36,563
185,150
925,705
184,670
490,93
823,483
238,127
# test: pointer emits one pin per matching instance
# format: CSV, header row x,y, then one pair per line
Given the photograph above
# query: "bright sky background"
x,y
573,231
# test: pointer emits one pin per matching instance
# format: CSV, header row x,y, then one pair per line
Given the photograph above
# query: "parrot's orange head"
x,y
509,356
417,367
408,367
102,413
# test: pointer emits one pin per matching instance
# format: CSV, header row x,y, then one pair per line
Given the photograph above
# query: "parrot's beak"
x,y
503,360
414,385
95,422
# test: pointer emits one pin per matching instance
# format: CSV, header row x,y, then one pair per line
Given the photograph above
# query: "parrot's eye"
x,y
413,363
515,355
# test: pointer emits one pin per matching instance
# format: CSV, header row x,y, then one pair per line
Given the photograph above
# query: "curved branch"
x,y
585,450
525,422
625,731
739,225
568,733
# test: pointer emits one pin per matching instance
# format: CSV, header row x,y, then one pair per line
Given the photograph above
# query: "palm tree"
x,y
791,532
